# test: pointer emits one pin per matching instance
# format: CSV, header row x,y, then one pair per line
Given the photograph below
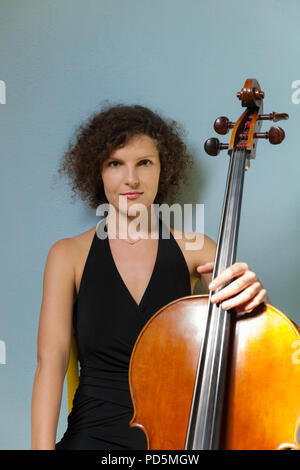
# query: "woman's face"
x,y
134,167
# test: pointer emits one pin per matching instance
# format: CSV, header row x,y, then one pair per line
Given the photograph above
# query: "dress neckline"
x,y
122,283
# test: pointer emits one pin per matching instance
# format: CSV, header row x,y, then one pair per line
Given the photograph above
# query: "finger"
x,y
205,268
246,295
234,270
254,302
235,287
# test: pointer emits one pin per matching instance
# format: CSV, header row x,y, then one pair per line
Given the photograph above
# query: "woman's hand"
x,y
247,289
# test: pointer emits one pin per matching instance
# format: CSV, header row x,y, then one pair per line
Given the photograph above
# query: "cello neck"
x,y
230,219
206,411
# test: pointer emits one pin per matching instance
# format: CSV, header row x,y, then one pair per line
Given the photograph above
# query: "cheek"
x,y
151,180
155,175
110,182
158,175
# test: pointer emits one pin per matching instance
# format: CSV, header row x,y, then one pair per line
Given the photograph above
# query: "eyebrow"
x,y
138,158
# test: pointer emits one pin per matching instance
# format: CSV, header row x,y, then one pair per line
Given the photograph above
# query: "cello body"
x,y
262,391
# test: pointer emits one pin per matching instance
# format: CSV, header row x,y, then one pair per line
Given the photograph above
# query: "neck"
x,y
124,226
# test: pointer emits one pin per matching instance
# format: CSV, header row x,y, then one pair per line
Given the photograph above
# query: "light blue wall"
x,y
186,59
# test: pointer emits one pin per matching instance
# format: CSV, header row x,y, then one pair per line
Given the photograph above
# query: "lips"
x,y
133,195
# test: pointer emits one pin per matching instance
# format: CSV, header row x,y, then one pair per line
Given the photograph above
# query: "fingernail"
x,y
211,285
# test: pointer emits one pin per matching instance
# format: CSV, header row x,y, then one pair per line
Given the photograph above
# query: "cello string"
x,y
212,381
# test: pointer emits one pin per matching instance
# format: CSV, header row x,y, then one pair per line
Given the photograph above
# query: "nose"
x,y
132,176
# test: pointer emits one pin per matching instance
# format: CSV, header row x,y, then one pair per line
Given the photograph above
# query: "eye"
x,y
110,163
145,162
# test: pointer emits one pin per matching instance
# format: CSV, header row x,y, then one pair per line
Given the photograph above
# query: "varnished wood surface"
x,y
263,384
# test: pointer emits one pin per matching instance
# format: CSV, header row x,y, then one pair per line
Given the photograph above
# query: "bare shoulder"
x,y
197,249
197,246
60,254
71,252
72,246
59,264
79,247
79,242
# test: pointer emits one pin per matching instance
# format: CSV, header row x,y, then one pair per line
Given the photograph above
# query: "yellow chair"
x,y
72,373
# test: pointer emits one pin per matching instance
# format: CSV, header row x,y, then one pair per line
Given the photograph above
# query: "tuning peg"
x,y
213,146
273,116
275,135
222,125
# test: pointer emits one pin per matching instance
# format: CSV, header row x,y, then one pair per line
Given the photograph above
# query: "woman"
x,y
108,287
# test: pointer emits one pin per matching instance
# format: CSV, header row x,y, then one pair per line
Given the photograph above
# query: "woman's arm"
x,y
53,346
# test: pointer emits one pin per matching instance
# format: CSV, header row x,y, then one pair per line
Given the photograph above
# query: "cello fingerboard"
x,y
206,410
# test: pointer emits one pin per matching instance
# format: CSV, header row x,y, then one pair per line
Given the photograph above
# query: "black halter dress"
x,y
107,322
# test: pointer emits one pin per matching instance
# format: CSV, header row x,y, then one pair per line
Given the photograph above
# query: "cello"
x,y
202,378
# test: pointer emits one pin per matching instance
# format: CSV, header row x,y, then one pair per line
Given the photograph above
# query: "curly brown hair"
x,y
112,128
